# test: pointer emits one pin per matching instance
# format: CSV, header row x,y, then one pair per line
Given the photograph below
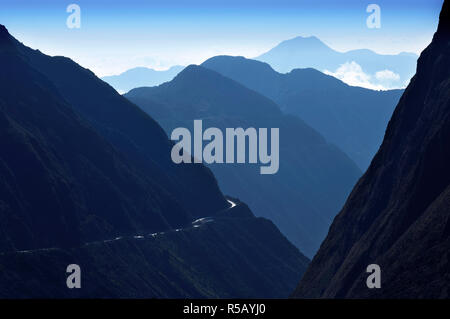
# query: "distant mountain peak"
x,y
141,76
310,38
147,69
302,38
304,43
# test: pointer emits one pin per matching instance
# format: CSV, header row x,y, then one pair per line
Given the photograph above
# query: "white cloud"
x,y
387,75
353,74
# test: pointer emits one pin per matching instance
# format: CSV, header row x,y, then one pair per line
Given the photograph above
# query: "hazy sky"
x,y
117,35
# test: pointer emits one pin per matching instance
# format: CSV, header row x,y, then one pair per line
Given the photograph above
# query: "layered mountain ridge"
x,y
141,76
314,176
352,118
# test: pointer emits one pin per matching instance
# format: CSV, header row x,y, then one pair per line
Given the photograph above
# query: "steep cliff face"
x,y
398,214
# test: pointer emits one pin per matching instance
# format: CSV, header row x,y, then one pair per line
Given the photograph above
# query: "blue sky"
x,y
117,35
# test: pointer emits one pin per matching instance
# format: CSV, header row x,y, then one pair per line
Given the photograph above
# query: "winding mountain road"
x,y
195,224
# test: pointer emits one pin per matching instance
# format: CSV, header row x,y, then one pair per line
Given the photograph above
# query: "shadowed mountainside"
x,y
398,214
